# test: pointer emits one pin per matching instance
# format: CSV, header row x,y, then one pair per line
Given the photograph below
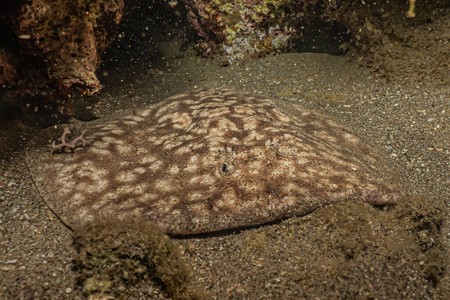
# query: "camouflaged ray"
x,y
210,160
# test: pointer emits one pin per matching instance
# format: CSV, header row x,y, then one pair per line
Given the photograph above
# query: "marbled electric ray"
x,y
210,160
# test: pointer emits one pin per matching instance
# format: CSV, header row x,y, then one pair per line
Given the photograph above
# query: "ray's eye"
x,y
227,169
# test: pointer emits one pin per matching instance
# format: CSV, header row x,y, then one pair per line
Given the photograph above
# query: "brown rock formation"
x,y
52,48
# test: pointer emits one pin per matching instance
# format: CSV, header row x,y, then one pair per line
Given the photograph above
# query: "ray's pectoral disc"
x,y
210,160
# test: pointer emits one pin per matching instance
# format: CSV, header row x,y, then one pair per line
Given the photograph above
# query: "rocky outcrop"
x,y
52,48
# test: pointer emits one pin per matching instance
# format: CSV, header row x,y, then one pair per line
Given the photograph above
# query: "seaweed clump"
x,y
130,259
373,246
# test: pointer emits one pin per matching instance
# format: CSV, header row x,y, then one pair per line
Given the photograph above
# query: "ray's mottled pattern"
x,y
211,160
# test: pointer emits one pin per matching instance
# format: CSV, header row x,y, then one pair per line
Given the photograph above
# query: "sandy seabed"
x,y
350,250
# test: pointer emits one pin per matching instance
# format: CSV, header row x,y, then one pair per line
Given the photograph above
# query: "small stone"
x,y
68,290
121,288
12,261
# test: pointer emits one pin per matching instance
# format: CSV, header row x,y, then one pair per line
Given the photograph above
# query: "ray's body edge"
x,y
185,228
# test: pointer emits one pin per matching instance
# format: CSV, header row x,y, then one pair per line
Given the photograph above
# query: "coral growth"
x,y
240,29
68,145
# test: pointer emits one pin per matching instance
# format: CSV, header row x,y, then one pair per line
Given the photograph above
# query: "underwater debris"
x,y
411,13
